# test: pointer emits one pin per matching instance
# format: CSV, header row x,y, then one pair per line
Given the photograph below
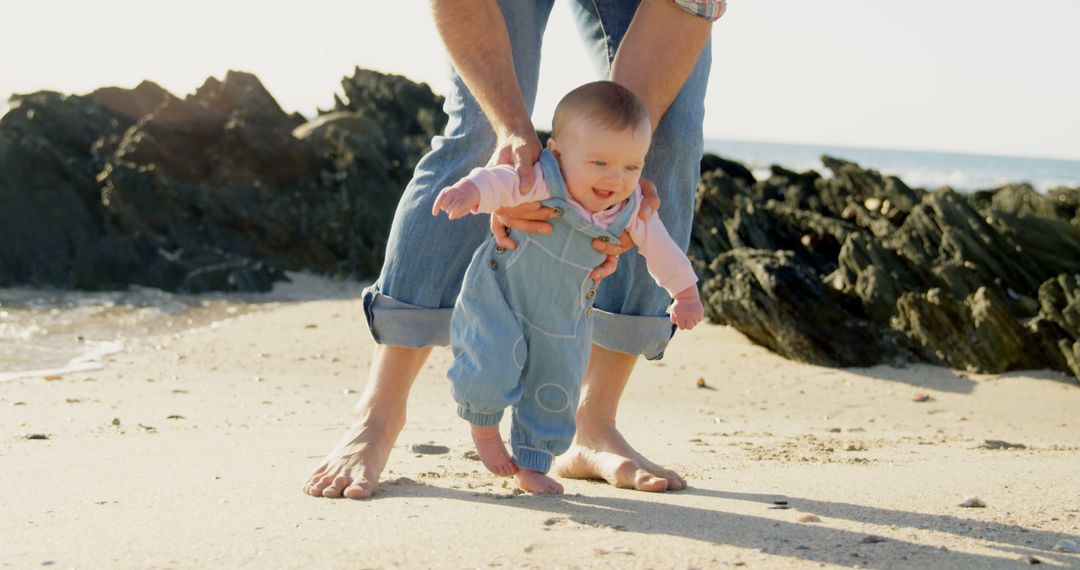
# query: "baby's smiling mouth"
x,y
603,193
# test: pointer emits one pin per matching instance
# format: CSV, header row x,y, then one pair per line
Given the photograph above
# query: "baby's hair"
x,y
607,102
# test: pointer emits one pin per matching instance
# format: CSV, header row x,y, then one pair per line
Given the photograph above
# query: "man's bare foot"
x,y
492,450
599,452
352,469
537,482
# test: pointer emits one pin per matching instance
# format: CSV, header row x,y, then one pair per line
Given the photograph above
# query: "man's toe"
x,y
338,484
645,481
360,489
675,483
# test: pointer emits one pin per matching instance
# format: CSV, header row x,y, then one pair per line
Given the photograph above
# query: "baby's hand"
x,y
457,200
687,311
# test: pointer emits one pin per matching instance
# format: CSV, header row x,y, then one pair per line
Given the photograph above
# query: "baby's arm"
x,y
671,269
487,190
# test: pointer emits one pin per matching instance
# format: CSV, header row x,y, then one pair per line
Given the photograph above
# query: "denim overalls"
x,y
521,329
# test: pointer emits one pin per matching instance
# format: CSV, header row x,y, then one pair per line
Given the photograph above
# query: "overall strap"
x,y
626,215
549,165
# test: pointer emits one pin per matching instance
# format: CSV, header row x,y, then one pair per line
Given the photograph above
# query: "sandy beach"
x,y
190,450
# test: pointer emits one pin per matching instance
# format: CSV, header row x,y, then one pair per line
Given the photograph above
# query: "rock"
x,y
1067,545
429,449
872,539
1059,301
973,503
730,168
797,261
977,333
221,190
999,444
778,303
808,518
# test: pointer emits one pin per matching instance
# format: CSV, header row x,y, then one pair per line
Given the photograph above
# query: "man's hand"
x,y
458,200
528,217
519,147
650,203
687,311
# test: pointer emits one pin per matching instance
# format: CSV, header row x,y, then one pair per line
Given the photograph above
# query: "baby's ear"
x,y
552,146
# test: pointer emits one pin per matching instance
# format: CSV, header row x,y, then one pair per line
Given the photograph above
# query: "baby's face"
x,y
601,166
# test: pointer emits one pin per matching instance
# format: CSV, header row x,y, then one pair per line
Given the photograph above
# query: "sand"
x,y
189,451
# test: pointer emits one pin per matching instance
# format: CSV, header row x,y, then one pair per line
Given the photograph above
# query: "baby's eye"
x,y
633,167
599,163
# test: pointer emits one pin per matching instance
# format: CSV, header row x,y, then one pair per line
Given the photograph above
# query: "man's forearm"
x,y
658,53
476,38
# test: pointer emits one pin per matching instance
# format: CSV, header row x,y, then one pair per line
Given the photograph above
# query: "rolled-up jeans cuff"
x,y
632,334
393,322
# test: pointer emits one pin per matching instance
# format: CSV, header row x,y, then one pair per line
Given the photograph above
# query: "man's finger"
x,y
528,211
605,269
650,200
530,226
499,231
608,248
524,171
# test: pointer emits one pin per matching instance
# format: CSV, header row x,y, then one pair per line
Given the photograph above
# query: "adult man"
x,y
656,48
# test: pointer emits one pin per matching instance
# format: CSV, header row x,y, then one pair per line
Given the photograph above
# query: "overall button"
x,y
499,249
493,264
589,314
558,211
604,239
591,293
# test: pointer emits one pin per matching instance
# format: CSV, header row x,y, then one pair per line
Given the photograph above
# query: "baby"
x,y
521,329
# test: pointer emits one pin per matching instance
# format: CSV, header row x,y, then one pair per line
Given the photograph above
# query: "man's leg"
x,y
599,450
408,309
631,319
352,468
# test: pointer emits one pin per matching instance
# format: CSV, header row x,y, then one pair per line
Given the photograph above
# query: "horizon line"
x,y
851,146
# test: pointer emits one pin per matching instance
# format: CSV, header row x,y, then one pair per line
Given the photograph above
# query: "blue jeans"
x,y
411,302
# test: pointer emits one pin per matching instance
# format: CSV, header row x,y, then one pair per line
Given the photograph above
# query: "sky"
x,y
982,77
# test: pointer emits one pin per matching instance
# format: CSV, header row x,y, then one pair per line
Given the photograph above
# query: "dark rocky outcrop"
x,y
858,268
220,190
223,190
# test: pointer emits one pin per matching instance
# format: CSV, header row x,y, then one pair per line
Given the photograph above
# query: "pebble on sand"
x,y
973,503
808,518
872,539
429,449
701,383
920,397
1066,545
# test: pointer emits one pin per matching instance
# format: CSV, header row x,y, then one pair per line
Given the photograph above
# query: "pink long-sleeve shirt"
x,y
667,263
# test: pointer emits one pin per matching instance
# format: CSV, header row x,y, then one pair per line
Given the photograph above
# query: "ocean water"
x,y
929,170
45,333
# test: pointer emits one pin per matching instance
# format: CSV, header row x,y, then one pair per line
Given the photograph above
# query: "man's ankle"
x,y
369,420
591,424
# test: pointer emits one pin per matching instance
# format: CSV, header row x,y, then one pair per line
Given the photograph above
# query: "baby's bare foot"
x,y
492,451
537,482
